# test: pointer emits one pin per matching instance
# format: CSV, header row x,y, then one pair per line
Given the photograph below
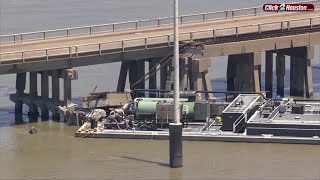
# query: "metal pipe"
x,y
176,64
175,129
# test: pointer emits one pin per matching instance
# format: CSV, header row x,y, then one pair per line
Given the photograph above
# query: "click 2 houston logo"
x,y
288,7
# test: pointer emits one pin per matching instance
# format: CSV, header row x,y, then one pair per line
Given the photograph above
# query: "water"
x,y
54,153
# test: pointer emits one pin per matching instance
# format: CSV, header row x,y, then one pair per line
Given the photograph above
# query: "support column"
x,y
308,72
170,76
280,72
207,84
297,69
33,109
183,73
20,86
152,76
231,72
247,73
67,90
163,75
133,74
55,93
123,76
44,94
257,71
269,74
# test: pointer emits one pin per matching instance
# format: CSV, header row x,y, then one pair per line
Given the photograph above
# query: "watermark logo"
x,y
288,7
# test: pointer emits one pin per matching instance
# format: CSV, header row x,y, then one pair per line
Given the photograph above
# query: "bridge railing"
x,y
152,42
133,25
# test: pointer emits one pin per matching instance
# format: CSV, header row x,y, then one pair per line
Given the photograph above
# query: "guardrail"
x,y
119,46
134,25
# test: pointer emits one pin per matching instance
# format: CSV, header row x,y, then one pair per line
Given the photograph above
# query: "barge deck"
x,y
193,135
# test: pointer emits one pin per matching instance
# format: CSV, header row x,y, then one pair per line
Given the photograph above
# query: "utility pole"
x,y
175,128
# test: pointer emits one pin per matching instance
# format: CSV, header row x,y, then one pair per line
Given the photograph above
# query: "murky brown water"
x,y
54,153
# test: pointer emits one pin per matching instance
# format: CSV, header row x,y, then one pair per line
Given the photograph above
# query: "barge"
x,y
248,117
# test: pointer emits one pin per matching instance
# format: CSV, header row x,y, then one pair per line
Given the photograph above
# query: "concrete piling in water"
x,y
269,74
280,72
67,89
20,87
55,93
33,109
44,94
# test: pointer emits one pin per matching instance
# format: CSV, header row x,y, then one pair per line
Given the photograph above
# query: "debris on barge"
x,y
249,117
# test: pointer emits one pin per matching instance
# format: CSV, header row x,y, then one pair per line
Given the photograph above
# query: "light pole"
x,y
175,128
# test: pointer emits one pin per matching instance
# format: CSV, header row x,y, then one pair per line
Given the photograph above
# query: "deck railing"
x,y
135,25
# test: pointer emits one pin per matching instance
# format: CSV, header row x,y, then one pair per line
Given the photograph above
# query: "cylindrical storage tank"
x,y
149,105
161,99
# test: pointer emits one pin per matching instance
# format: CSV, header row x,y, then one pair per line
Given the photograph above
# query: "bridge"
x,y
240,34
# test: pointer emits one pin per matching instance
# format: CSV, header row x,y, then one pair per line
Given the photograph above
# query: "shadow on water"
x,y
146,161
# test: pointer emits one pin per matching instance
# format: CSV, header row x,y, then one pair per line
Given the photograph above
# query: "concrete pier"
x,y
244,72
55,92
20,86
163,74
140,74
123,76
280,72
269,74
44,94
300,71
33,109
183,73
308,71
231,72
152,76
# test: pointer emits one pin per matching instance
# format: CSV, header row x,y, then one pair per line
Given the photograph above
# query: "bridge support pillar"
x,y
183,73
68,75
269,74
201,78
55,93
163,75
152,76
280,72
246,75
257,71
141,71
231,72
136,73
308,71
20,86
300,71
33,109
123,76
296,76
44,94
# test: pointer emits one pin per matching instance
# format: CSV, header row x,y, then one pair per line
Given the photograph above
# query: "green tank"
x,y
146,106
